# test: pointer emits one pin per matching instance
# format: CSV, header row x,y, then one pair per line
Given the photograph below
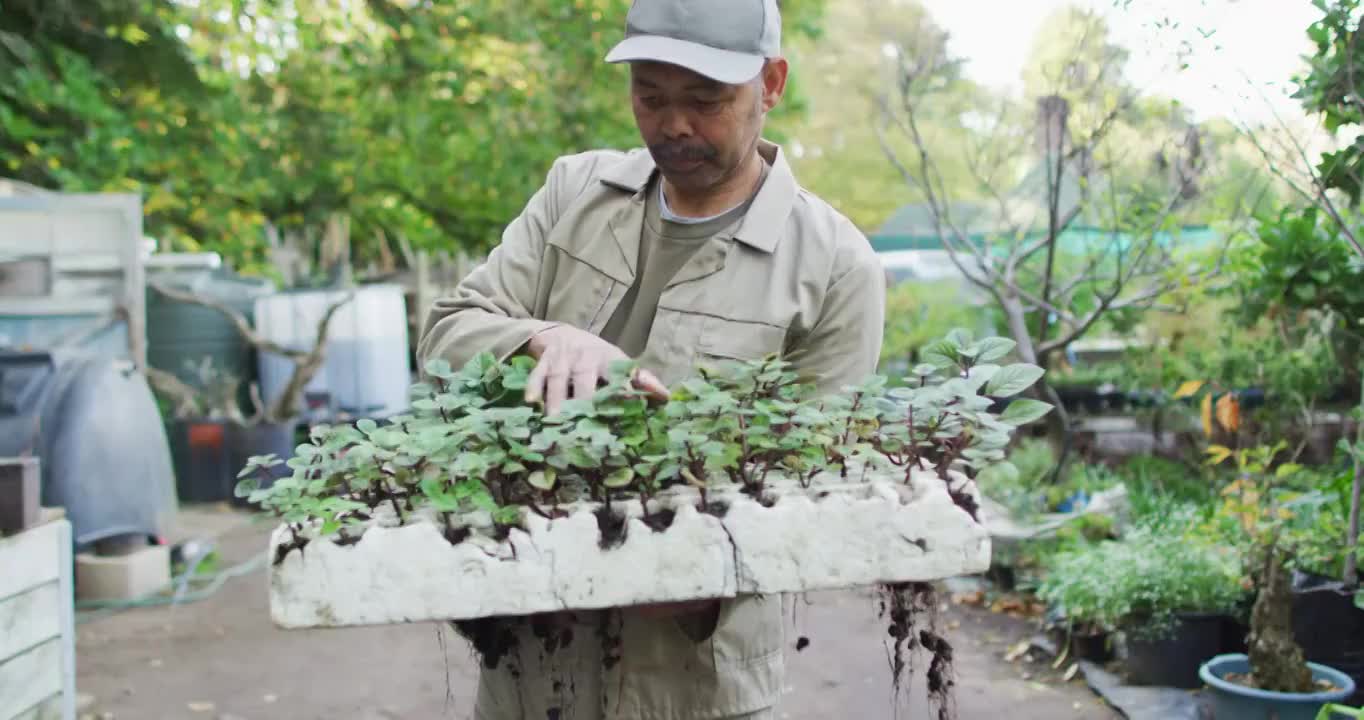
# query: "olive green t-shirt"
x,y
664,247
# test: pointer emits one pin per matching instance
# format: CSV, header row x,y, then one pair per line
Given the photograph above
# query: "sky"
x,y
1241,71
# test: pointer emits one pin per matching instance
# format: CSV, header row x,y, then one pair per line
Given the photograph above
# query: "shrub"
x,y
1141,581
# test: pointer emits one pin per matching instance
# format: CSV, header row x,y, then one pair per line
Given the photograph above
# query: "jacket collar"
x,y
762,224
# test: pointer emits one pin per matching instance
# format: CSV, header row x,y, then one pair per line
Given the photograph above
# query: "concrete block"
x,y
123,577
832,535
20,494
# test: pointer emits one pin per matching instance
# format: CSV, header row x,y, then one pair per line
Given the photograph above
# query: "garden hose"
x,y
1329,712
178,589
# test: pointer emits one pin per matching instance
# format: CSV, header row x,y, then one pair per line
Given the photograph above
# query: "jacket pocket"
x,y
725,339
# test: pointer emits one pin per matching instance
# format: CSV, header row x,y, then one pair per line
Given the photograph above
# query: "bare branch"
x,y
181,394
285,406
941,217
243,327
1320,195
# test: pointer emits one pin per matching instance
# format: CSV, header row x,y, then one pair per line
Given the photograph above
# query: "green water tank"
x,y
182,335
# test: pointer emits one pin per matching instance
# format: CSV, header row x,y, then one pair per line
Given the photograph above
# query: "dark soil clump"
x,y
345,539
492,638
940,676
966,502
767,500
282,550
661,520
457,535
612,527
718,508
802,642
551,631
501,532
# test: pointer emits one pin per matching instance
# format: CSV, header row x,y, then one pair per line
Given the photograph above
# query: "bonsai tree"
x,y
217,394
1253,505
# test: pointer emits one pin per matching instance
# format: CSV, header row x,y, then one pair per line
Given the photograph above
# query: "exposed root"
x,y
913,611
555,633
609,633
493,638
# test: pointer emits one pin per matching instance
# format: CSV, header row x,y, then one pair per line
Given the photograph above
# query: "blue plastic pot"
x,y
1232,701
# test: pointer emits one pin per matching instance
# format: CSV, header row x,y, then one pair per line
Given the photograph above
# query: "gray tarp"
x,y
94,424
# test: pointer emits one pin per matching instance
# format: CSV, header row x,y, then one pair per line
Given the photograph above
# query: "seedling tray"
x,y
864,530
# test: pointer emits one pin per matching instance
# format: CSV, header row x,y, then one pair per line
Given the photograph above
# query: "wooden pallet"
x,y
37,622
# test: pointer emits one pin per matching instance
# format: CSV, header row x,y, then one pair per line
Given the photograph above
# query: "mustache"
x,y
671,151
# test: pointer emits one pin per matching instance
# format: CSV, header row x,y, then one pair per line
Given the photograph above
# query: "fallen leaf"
x,y
1017,651
200,707
1071,672
1007,604
954,625
975,598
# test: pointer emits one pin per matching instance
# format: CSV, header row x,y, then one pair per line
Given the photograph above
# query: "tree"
x,y
240,121
844,70
1330,91
1073,229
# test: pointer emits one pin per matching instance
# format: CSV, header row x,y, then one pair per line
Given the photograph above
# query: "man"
x,y
702,248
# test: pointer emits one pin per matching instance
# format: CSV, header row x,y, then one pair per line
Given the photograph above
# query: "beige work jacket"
x,y
795,278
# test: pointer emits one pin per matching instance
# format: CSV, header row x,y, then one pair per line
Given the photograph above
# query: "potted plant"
x,y
215,436
1272,679
1166,591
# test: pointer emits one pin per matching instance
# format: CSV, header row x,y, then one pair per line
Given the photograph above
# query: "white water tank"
x,y
366,371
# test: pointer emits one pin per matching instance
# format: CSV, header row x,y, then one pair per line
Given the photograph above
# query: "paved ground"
x,y
221,659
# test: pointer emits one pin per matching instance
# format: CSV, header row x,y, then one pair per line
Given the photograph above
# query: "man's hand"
x,y
569,355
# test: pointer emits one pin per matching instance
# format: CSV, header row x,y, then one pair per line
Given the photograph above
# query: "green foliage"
x,y
1301,262
1329,89
471,445
1139,582
1302,510
917,313
426,122
1024,483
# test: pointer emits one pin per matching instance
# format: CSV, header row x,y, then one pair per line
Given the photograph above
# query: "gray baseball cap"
x,y
725,40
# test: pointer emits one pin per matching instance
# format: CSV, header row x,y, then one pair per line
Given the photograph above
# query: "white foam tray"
x,y
832,535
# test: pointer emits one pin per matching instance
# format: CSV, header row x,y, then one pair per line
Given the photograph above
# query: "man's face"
x,y
700,131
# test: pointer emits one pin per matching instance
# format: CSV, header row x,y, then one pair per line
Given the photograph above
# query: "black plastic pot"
x,y
1234,631
1173,658
1330,627
1094,647
277,439
208,454
201,451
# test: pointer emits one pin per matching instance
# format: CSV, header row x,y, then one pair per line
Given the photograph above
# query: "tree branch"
x,y
286,405
243,327
181,394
